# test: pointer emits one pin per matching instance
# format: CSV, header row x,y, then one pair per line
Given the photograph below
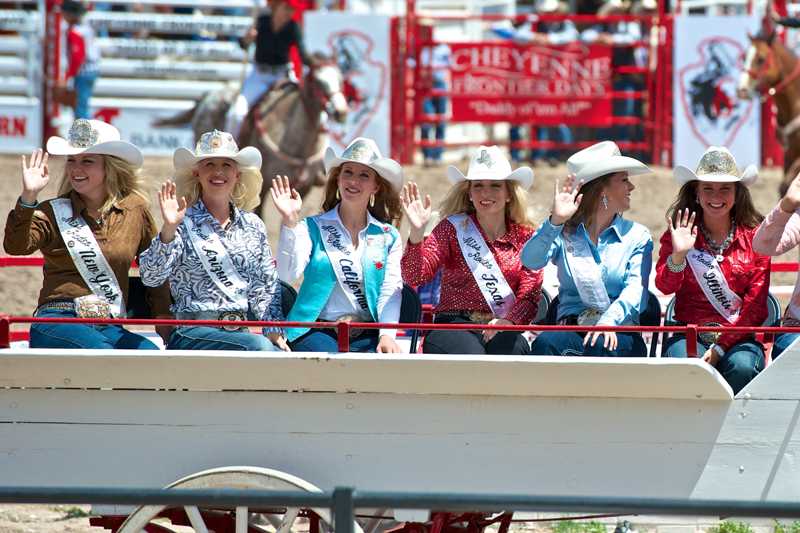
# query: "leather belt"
x,y
232,316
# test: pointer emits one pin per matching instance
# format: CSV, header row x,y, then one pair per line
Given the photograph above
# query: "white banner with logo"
x,y
20,125
709,54
360,44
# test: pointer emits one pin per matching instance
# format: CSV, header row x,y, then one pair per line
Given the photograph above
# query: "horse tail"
x,y
181,119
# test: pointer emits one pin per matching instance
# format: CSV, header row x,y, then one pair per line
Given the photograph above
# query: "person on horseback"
x,y
274,33
213,250
349,255
88,235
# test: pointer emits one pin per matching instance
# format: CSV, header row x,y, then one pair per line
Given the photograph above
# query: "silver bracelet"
x,y
673,267
719,349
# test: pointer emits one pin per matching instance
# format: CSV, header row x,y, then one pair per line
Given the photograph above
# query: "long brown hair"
x,y
387,207
121,180
743,212
457,201
592,192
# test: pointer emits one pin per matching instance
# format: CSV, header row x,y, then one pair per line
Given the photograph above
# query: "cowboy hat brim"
x,y
121,149
246,157
388,169
684,175
522,175
610,165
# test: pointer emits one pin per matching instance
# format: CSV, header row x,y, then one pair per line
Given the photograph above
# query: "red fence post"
x,y
5,332
343,336
691,340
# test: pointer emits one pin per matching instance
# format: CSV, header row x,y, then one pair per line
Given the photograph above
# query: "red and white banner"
x,y
506,82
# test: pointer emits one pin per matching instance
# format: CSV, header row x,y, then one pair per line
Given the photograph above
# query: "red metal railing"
x,y
343,328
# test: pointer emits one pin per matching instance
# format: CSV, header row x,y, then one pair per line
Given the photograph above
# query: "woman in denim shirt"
x,y
603,259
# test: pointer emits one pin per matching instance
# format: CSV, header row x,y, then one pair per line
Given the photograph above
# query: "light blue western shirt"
x,y
624,253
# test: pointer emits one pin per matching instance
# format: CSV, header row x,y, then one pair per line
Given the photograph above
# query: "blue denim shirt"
x,y
624,252
193,289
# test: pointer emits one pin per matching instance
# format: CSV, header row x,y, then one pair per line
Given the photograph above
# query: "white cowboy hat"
x,y
216,144
717,165
365,151
490,163
601,159
221,144
94,137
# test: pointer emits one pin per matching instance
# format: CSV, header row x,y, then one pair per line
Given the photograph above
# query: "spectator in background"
x,y
274,33
541,33
550,33
435,62
621,35
83,56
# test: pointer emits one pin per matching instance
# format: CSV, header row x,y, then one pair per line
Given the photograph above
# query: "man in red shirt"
x,y
82,56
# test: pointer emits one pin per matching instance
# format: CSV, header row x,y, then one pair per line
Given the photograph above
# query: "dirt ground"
x,y
19,286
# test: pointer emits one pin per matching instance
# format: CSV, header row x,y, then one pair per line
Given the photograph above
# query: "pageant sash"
x,y
484,267
217,262
712,281
349,271
87,256
586,273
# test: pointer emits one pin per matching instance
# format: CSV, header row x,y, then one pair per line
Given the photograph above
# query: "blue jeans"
x,y
740,364
782,342
84,86
84,336
435,105
325,340
210,338
515,133
560,133
571,343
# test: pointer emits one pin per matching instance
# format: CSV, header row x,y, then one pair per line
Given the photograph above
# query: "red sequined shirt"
x,y
459,290
747,274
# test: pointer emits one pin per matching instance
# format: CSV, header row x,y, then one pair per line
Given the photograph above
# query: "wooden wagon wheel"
x,y
232,477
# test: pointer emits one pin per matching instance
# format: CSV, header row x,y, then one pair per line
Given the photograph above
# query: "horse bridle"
x,y
769,62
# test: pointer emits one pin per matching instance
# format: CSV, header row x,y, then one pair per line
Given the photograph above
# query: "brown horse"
x,y
770,68
286,125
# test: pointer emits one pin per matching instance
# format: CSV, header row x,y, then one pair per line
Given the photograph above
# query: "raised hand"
x,y
791,200
417,210
287,201
565,200
684,234
172,210
34,176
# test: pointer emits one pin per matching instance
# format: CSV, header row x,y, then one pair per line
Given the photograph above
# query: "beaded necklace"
x,y
716,248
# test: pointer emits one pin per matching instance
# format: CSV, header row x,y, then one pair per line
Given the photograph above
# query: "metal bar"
x,y
343,336
691,340
344,500
343,510
5,332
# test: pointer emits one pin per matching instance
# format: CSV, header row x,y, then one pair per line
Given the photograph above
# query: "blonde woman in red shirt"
x,y
711,266
477,245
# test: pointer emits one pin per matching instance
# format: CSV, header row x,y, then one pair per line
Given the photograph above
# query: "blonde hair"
x,y
457,201
387,207
121,179
242,197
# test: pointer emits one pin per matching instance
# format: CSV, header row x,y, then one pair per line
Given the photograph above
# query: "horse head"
x,y
761,71
325,84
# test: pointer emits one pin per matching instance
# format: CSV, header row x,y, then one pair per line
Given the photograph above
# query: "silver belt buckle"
x,y
231,316
589,317
92,306
710,337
